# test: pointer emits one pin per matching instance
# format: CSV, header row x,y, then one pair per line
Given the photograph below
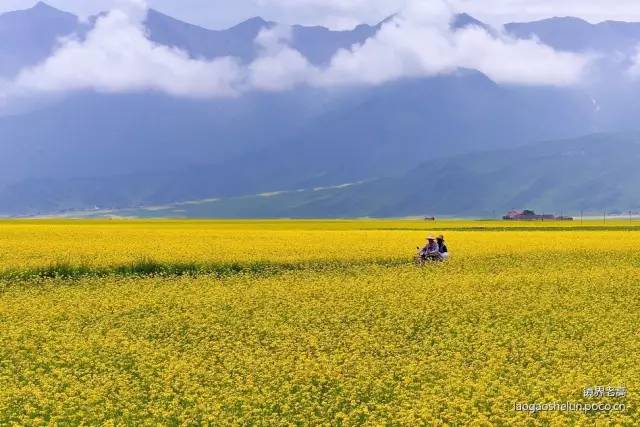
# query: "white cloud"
x,y
419,42
117,56
506,60
279,67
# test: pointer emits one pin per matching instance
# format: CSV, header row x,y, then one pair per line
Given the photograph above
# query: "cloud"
x,y
419,42
506,60
117,56
279,67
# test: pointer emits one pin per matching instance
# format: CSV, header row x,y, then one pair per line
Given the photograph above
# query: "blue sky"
x,y
346,13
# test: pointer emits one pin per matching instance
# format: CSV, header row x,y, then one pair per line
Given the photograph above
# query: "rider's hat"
x,y
431,238
441,237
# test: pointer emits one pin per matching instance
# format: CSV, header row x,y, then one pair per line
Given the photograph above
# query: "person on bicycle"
x,y
431,250
442,248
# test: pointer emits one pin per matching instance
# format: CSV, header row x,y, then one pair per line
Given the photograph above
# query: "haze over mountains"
x,y
568,176
111,147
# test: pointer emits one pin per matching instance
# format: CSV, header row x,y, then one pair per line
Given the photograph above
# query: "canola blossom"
x,y
346,332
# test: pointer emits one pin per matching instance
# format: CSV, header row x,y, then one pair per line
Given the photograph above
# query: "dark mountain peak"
x,y
40,10
200,42
256,20
158,20
44,10
566,21
387,20
157,14
42,6
464,20
360,28
310,27
578,35
458,21
29,36
254,24
319,44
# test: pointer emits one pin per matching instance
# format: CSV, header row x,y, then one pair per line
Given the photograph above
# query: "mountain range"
x,y
130,150
565,176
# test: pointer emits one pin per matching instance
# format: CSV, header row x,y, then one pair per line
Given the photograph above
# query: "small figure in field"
x,y
442,248
435,250
430,252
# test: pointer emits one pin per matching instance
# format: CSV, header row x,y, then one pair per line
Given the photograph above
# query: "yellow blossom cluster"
x,y
32,244
521,314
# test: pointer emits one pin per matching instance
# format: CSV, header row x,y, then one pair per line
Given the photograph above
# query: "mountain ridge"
x,y
578,35
143,148
473,185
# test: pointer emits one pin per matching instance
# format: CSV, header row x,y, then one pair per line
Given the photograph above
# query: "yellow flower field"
x,y
31,244
339,328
